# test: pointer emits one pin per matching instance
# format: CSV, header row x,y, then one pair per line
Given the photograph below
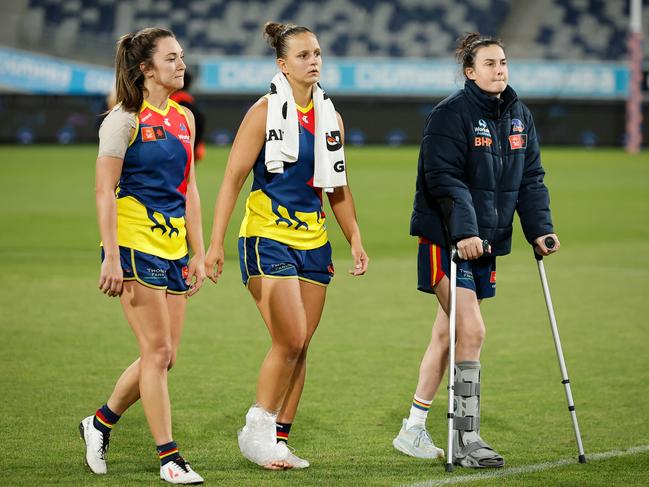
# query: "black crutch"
x,y
549,243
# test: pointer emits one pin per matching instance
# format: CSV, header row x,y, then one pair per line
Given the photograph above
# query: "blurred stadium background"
x,y
386,61
386,64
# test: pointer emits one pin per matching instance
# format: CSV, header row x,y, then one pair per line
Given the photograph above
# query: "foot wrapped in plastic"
x,y
288,453
257,439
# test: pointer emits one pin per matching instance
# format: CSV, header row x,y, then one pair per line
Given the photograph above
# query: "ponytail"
x,y
132,51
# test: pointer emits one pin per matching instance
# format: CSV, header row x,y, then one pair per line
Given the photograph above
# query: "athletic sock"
x,y
282,431
418,412
105,419
168,452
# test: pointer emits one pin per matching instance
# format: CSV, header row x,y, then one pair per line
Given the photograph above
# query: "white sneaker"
x,y
290,456
416,442
257,439
96,445
178,471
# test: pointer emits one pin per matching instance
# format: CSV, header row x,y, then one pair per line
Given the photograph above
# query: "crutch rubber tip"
x,y
582,458
449,467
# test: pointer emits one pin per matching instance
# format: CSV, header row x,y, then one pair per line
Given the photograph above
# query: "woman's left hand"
x,y
195,274
361,260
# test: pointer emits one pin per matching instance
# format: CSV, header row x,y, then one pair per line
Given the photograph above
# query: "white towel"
x,y
282,135
330,168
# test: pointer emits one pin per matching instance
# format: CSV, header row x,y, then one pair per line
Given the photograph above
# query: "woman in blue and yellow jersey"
x,y
283,246
148,210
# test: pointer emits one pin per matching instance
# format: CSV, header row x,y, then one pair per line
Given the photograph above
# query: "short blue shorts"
x,y
263,257
479,275
153,271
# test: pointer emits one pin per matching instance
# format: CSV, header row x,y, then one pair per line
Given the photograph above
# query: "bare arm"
x,y
107,174
245,149
342,204
196,274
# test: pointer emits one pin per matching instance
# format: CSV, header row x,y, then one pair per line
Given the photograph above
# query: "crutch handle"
x,y
485,250
485,246
549,243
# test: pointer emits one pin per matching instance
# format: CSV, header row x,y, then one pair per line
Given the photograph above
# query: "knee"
x,y
294,348
440,336
172,361
160,356
472,334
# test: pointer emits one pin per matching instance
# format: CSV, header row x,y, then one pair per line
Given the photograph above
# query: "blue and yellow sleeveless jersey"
x,y
286,207
153,184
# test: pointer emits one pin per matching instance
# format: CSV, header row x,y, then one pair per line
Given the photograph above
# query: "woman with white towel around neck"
x,y
292,140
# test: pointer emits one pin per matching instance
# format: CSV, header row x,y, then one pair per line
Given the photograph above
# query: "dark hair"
x,y
133,50
468,46
276,35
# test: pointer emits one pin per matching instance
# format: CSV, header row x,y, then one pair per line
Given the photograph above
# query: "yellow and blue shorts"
x,y
264,257
153,271
433,263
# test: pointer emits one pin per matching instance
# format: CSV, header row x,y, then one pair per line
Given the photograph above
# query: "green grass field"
x,y
63,343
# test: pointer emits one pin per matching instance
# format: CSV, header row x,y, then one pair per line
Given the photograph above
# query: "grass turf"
x,y
64,344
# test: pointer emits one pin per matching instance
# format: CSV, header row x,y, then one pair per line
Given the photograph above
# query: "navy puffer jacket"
x,y
480,152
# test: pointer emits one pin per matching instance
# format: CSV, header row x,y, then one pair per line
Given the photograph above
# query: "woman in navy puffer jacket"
x,y
479,162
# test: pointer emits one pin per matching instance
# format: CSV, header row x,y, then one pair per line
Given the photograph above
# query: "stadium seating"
x,y
562,29
586,29
412,28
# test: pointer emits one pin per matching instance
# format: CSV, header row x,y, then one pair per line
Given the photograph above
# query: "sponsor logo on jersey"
x,y
274,134
333,141
517,125
167,123
518,141
305,119
146,117
482,129
150,134
182,127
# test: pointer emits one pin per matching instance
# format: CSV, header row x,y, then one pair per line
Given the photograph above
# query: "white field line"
x,y
491,474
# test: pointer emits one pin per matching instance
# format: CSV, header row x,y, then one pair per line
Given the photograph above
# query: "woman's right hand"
x,y
470,248
111,276
214,262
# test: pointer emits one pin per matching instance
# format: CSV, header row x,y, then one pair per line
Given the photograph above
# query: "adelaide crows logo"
x,y
333,140
517,125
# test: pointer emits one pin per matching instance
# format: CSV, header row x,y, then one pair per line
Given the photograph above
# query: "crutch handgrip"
x,y
485,249
549,243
